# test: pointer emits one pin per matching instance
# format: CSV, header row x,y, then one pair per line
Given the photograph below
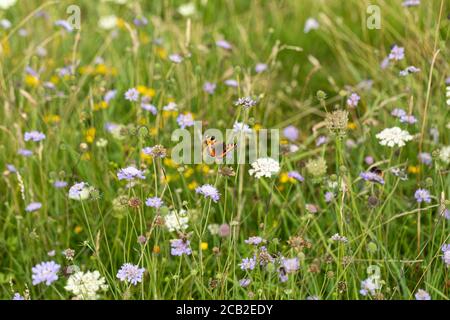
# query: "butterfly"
x,y
212,146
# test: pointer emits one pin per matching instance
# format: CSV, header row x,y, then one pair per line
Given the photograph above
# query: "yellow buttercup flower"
x,y
31,81
148,92
52,118
90,135
161,52
204,245
351,126
188,172
413,169
192,185
78,229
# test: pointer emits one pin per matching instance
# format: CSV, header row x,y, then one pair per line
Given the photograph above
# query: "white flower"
x,y
107,22
264,167
6,4
311,24
394,136
80,191
444,154
85,285
187,9
176,220
241,127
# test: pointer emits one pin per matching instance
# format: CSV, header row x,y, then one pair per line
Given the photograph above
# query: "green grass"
x,y
334,59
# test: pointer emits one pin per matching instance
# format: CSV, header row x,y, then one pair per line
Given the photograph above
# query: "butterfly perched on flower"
x,y
216,149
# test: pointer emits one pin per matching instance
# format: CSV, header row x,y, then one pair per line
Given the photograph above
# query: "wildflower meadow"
x,y
224,149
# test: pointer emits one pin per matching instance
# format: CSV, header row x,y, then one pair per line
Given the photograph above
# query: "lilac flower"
x,y
224,44
446,214
248,263
310,24
291,133
329,196
241,127
132,95
446,257
245,102
130,273
422,295
35,136
260,67
208,191
255,241
244,283
45,272
64,24
397,53
338,238
231,83
154,202
321,140
180,247
11,168
385,63
25,152
34,206
290,265
109,95
185,120
410,119
60,184
397,112
372,177
353,100
140,22
209,87
422,195
368,160
425,158
149,107
296,175
224,230
411,3
176,58
130,173
370,285
17,296
409,70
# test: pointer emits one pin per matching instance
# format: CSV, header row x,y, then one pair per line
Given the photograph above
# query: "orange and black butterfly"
x,y
212,146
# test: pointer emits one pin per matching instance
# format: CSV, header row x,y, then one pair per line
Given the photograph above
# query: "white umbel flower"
x,y
6,4
85,285
392,137
176,221
107,22
444,154
264,167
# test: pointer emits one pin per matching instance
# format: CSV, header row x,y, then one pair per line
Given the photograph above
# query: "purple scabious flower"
x,y
175,58
411,3
130,173
248,263
398,113
140,21
410,119
296,175
231,83
425,158
185,120
149,107
25,152
154,202
45,272
408,70
353,100
446,214
291,133
245,102
11,168
35,136
255,241
244,283
422,295
224,44
132,94
60,184
372,177
446,257
368,160
329,196
109,95
208,191
130,273
209,87
397,53
321,140
17,296
422,195
180,247
260,67
33,206
64,24
290,265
